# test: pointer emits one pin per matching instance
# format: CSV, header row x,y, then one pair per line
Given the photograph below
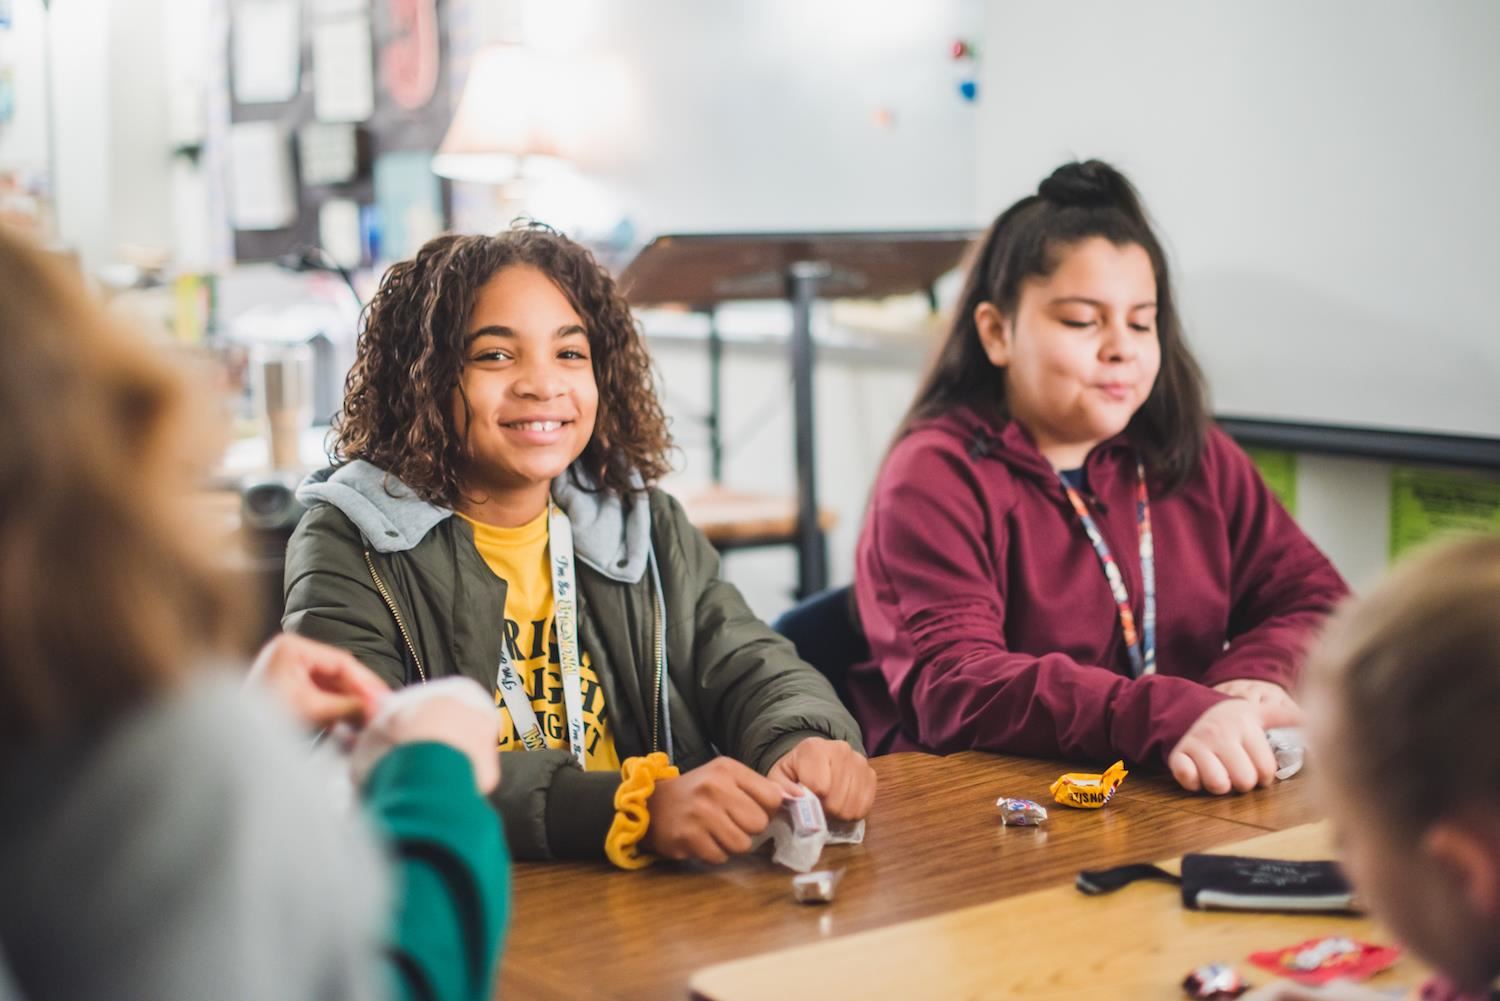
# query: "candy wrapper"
x,y
1086,791
1319,960
1213,982
1290,748
1020,812
800,830
816,887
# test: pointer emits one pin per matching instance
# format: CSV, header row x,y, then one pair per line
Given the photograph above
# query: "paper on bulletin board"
x,y
336,8
1279,470
193,226
339,232
7,93
328,153
190,308
7,66
267,51
263,191
1427,504
343,70
410,199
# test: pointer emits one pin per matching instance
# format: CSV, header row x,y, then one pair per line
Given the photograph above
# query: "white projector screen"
x,y
1326,177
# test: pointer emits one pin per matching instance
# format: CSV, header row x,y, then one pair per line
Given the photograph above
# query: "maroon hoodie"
x,y
990,622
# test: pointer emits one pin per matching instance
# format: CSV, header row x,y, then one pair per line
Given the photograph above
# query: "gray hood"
x,y
394,519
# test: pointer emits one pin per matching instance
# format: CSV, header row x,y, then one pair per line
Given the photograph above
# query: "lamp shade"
x,y
507,118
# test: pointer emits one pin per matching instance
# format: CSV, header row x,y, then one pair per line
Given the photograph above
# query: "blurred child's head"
x,y
105,593
1068,325
489,363
1403,699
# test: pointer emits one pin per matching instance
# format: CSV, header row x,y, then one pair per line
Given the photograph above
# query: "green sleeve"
x,y
452,873
552,808
759,698
329,596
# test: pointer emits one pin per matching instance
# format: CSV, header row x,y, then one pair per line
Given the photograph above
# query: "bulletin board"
x,y
389,131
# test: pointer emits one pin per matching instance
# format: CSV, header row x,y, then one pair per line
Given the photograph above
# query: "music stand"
x,y
704,270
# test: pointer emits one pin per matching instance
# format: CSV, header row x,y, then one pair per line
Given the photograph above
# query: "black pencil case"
x,y
1238,883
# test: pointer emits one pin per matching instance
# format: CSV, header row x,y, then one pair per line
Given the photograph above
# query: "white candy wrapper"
x,y
800,830
1290,748
374,740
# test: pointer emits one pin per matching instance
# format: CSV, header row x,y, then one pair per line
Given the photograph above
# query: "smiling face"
x,y
1080,351
532,399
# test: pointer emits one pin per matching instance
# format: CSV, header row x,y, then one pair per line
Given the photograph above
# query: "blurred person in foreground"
x,y
1403,694
164,831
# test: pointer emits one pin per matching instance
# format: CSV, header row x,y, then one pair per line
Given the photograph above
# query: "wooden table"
x,y
934,845
733,519
1053,944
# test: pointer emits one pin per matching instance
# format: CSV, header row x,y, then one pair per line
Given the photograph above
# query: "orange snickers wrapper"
x,y
1087,791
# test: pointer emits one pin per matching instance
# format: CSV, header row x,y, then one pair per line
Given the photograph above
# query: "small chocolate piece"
x,y
1216,980
815,887
1020,812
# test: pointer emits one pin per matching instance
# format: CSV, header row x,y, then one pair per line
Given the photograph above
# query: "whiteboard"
x,y
1326,177
774,115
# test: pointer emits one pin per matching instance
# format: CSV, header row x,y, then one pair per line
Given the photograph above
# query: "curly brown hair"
x,y
410,359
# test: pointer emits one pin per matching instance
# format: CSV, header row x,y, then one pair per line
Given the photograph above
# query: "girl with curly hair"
x,y
493,515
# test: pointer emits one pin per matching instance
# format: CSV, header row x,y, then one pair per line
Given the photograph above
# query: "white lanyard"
x,y
565,599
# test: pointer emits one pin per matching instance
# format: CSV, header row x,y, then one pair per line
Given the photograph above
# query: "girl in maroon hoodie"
x,y
1062,557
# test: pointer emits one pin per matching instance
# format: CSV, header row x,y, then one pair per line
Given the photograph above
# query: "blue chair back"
x,y
826,633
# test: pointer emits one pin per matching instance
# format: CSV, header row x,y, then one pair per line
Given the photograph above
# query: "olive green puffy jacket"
x,y
397,582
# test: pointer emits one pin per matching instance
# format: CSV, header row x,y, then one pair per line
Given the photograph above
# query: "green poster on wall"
x,y
1427,504
1279,470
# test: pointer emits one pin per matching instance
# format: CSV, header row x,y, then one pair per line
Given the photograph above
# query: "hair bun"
x,y
1090,184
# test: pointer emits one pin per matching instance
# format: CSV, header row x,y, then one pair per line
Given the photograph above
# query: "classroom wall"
x,y
766,115
1345,506
111,112
1323,177
83,174
1323,173
860,396
23,140
139,122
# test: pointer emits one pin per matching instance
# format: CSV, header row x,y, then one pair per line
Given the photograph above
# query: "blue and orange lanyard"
x,y
1142,648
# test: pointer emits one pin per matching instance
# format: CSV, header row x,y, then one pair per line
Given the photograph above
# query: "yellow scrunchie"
x,y
639,777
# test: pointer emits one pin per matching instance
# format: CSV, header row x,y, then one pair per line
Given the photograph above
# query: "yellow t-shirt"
x,y
519,556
